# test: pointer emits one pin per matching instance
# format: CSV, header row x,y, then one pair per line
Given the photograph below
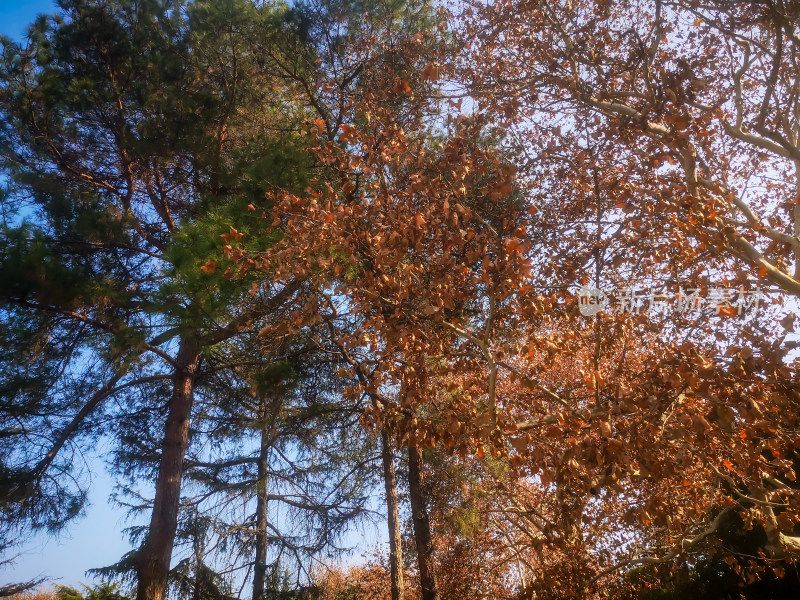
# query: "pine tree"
x,y
134,134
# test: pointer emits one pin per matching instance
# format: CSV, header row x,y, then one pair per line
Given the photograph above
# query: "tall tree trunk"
x,y
262,540
155,557
422,524
395,547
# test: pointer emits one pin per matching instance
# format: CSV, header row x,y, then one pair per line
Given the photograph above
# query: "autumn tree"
x,y
701,95
382,244
379,63
459,259
655,170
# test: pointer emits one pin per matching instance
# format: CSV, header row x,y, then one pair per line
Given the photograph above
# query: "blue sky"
x,y
15,16
94,540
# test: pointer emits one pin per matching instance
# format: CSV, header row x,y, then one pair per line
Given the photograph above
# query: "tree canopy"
x,y
518,276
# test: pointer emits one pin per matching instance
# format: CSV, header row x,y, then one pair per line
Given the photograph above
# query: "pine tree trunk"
x,y
422,525
395,547
154,560
262,540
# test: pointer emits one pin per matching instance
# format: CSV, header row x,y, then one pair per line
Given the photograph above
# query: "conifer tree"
x,y
133,133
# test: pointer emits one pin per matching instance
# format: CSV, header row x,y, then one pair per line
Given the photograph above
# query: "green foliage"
x,y
101,591
134,135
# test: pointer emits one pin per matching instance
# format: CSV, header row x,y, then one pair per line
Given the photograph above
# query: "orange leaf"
x,y
231,235
401,86
209,267
348,132
430,72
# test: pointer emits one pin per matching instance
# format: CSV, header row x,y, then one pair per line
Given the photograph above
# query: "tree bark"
x,y
156,554
262,540
395,546
422,524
